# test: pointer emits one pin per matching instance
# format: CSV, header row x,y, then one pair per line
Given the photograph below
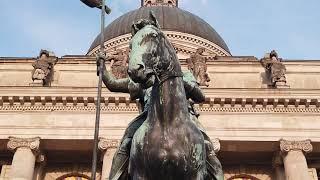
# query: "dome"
x,y
170,19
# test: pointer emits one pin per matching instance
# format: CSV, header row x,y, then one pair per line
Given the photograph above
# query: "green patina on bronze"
x,y
145,50
168,145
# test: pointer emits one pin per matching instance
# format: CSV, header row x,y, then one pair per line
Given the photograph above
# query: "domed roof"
x,y
170,19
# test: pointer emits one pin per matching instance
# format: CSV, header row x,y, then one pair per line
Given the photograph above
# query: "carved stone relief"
x,y
286,146
197,65
119,63
32,143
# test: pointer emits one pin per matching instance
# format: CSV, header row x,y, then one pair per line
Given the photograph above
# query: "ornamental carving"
x,y
275,69
43,68
216,145
105,144
286,146
119,63
178,39
31,143
197,64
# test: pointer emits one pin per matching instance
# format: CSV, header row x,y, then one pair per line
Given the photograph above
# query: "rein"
x,y
163,77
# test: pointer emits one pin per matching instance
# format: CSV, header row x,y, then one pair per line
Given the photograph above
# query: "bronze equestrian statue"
x,y
172,148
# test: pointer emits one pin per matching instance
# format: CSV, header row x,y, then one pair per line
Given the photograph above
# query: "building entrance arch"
x,y
243,177
74,176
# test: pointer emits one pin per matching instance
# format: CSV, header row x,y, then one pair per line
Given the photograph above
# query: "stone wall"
x,y
241,110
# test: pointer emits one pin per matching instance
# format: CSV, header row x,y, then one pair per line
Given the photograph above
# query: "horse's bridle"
x,y
164,76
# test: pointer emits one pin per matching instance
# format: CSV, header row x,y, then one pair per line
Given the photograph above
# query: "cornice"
x,y
134,109
185,39
214,60
217,100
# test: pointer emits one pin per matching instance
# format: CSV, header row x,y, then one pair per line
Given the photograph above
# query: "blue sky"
x,y
249,27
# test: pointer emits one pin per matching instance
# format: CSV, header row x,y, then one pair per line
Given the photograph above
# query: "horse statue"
x,y
168,145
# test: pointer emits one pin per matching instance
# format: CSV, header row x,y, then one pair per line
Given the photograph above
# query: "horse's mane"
x,y
144,22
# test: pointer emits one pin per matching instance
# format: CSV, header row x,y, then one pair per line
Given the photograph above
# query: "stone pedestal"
x,y
26,149
108,148
37,83
295,163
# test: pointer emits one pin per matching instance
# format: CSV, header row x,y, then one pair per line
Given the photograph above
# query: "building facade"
x,y
263,115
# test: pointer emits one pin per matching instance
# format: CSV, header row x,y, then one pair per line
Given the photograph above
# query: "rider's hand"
x,y
100,58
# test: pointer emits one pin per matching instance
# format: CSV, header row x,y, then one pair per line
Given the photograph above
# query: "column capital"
x,y
105,144
286,146
31,143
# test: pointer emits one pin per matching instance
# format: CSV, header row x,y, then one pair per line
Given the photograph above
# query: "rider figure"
x,y
137,91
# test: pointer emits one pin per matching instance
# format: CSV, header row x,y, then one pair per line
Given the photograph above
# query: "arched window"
x,y
243,177
74,177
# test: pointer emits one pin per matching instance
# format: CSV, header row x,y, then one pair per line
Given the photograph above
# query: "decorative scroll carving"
x,y
197,65
119,63
275,69
43,68
32,143
105,144
286,146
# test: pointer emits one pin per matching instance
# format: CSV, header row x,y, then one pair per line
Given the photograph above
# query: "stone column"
x,y
108,148
26,149
295,163
277,164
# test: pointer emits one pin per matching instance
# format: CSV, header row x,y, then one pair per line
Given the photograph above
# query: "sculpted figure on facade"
x,y
275,69
142,92
43,68
119,63
197,64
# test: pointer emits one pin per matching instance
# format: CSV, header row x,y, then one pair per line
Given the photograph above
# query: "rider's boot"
x,y
214,166
120,162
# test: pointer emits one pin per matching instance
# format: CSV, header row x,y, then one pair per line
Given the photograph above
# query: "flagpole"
x,y
98,108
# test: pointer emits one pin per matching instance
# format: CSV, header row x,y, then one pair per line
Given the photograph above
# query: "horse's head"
x,y
151,55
